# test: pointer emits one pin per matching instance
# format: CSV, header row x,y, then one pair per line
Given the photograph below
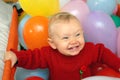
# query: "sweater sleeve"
x,y
30,59
107,57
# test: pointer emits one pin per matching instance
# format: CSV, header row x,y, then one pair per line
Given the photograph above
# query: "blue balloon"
x,y
107,6
20,30
22,74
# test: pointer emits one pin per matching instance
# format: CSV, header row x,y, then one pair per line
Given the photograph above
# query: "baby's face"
x,y
68,38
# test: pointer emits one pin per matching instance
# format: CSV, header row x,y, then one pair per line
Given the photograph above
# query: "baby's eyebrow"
x,y
79,31
66,35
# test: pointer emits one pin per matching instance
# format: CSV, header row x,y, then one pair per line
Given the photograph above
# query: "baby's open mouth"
x,y
74,47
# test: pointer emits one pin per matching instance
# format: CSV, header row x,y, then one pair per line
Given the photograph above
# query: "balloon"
x,y
115,10
118,1
40,7
116,20
85,0
109,72
34,78
118,11
22,74
100,28
118,43
35,32
20,30
78,8
63,2
106,71
106,6
101,78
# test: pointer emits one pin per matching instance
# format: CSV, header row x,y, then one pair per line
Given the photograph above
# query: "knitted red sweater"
x,y
67,67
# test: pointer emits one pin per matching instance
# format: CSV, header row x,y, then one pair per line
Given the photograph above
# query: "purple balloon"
x,y
100,28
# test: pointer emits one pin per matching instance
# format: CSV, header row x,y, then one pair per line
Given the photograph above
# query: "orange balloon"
x,y
35,32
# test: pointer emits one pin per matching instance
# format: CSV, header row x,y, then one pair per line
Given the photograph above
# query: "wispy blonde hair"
x,y
60,17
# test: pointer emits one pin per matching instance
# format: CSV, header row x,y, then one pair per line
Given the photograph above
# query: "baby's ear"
x,y
51,43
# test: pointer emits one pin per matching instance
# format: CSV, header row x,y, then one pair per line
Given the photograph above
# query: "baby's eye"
x,y
65,37
78,34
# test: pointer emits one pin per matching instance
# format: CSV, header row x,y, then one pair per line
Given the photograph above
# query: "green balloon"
x,y
116,20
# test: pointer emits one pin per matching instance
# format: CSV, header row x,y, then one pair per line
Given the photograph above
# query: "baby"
x,y
68,57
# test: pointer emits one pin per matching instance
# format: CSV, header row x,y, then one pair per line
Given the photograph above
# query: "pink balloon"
x,y
100,28
118,43
78,8
84,0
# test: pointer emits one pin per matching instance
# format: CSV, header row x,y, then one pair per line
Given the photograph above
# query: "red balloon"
x,y
34,78
118,11
108,72
103,70
35,32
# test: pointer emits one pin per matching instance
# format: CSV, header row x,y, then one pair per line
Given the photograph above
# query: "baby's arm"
x,y
109,58
9,55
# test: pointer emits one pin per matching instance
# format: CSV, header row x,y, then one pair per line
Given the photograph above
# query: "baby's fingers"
x,y
10,56
7,56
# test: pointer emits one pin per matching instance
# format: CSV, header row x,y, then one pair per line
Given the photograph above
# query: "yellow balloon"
x,y
40,7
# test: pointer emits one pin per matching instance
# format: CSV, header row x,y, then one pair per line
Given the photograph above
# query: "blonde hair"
x,y
60,17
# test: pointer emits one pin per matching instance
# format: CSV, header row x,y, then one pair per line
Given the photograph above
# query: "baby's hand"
x,y
10,56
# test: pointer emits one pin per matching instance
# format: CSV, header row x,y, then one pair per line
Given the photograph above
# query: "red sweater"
x,y
67,67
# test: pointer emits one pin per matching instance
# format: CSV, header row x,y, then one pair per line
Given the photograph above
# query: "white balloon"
x,y
101,78
63,2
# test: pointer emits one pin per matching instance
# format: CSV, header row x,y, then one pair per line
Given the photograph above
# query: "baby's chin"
x,y
72,54
75,54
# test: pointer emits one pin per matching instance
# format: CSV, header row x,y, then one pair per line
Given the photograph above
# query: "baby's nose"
x,y
73,41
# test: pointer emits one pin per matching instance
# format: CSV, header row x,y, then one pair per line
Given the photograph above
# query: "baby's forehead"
x,y
59,22
68,25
